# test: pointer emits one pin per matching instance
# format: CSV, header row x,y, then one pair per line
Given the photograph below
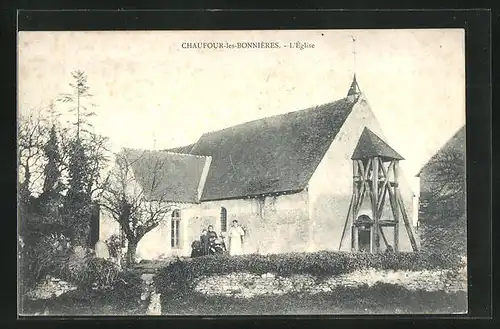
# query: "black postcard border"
x,y
477,24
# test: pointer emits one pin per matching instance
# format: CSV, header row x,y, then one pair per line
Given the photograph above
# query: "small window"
x,y
223,219
174,229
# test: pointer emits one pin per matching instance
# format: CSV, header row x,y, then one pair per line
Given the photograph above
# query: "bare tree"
x,y
32,136
138,207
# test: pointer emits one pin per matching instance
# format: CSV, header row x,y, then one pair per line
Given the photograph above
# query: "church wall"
x,y
156,243
330,188
272,224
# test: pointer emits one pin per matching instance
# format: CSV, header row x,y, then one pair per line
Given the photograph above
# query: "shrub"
x,y
179,276
123,298
100,285
445,234
44,250
114,245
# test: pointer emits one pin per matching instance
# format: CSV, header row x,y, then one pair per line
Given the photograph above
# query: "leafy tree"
x,y
443,202
138,208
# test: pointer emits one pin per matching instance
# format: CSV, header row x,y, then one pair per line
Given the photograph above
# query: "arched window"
x,y
223,219
174,229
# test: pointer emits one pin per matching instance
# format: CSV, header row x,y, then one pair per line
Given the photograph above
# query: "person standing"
x,y
204,242
236,234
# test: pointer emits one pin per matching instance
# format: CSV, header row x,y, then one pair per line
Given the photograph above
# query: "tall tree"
x,y
52,169
131,204
77,97
85,158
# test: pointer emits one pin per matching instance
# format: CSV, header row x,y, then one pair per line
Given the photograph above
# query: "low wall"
x,y
246,285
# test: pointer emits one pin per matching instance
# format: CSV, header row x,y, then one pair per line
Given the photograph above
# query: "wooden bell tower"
x,y
375,177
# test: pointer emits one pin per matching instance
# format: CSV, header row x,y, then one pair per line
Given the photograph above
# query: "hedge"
x,y
177,278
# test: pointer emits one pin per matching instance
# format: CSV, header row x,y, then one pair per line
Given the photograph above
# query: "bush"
x,y
114,245
180,276
101,288
43,252
123,298
88,272
445,234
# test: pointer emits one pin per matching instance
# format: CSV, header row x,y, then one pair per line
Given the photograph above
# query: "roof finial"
x,y
354,90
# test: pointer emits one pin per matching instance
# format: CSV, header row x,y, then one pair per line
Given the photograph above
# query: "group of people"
x,y
210,243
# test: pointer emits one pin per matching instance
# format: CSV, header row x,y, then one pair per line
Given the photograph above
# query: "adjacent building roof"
x,y
167,176
370,145
456,142
274,154
181,149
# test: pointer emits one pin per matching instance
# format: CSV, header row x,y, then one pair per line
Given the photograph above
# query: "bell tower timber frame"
x,y
375,176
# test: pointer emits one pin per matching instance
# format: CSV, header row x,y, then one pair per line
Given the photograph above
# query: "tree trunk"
x,y
131,251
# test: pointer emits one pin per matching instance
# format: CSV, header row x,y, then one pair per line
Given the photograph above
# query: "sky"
x,y
152,93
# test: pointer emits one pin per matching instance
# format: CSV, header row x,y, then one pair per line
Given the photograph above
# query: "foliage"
x,y
79,93
114,245
44,250
442,214
448,236
121,296
52,170
178,277
86,159
446,173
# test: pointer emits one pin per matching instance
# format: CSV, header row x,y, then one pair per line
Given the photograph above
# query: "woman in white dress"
x,y
236,234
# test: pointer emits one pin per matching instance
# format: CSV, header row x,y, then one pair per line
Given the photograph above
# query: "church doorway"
x,y
364,237
364,227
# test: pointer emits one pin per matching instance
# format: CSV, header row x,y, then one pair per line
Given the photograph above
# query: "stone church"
x,y
287,179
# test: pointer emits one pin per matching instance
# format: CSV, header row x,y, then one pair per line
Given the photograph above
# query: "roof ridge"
x,y
310,108
166,152
188,154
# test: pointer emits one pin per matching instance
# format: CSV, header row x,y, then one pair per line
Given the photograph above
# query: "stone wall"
x,y
246,285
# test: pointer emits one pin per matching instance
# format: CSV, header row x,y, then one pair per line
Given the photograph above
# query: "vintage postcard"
x,y
242,172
